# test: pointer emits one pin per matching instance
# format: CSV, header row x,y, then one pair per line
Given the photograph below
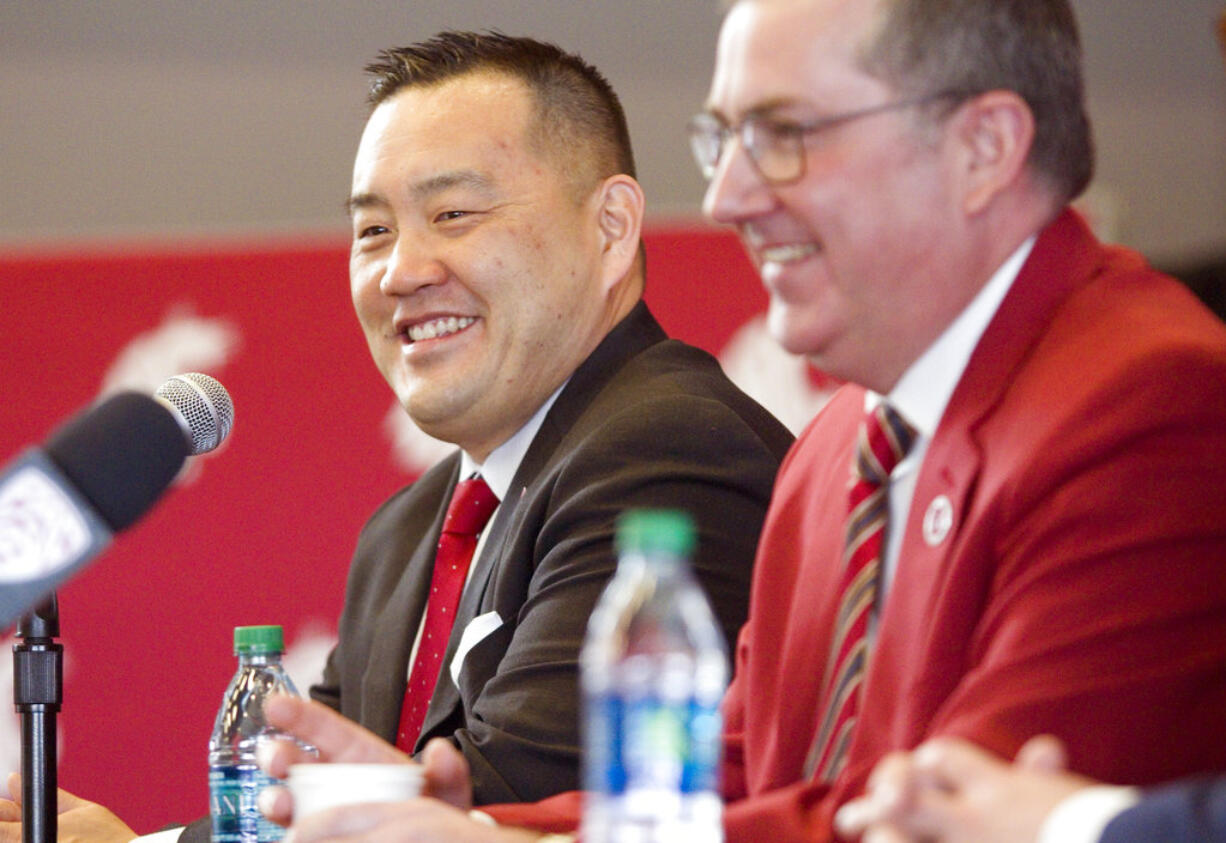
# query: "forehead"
x,y
778,52
478,123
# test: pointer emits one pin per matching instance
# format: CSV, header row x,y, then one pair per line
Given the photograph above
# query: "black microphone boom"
x,y
97,474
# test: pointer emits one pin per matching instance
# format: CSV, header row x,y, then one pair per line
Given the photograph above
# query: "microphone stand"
x,y
38,673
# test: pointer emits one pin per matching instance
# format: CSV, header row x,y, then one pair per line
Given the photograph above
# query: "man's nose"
x,y
737,190
409,268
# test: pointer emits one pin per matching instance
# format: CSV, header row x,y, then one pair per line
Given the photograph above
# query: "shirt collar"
x,y
925,388
500,466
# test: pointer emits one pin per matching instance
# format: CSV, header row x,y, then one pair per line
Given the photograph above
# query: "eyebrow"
x,y
426,188
363,200
452,178
764,109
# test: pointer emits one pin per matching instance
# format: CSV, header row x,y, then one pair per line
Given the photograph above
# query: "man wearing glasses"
x,y
1050,557
1012,520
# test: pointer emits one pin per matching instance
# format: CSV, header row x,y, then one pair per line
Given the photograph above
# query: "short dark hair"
x,y
577,111
968,47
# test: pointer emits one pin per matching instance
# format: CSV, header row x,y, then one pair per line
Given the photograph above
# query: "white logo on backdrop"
x,y
184,342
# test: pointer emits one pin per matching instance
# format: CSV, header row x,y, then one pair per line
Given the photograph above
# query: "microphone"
x,y
61,504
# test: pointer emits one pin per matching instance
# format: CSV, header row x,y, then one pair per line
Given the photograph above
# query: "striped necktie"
x,y
884,440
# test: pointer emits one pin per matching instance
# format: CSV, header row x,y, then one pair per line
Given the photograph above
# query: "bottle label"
x,y
605,771
648,743
704,732
233,793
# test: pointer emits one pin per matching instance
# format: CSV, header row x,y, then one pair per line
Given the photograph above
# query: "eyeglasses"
x,y
776,147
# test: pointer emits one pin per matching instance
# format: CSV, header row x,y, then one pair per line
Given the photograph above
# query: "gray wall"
x,y
167,119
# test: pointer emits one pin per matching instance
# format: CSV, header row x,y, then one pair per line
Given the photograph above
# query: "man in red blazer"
x,y
1053,543
1056,537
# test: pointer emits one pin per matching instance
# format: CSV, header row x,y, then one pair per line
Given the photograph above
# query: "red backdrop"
x,y
263,531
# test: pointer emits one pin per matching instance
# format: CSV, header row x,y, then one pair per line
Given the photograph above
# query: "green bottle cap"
x,y
258,639
655,530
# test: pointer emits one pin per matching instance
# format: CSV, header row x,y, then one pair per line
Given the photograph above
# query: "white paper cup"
x,y
319,786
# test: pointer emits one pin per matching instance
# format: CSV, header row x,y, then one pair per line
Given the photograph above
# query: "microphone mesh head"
x,y
204,405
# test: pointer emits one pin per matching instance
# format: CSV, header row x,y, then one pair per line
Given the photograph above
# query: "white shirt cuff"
x,y
1082,817
167,835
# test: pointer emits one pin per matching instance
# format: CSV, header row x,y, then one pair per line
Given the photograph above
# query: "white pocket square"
x,y
477,630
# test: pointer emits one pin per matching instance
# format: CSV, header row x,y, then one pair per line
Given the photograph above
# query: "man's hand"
x,y
442,819
337,738
78,821
951,791
340,740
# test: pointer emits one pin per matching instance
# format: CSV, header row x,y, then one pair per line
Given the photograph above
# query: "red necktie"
x,y
470,509
884,439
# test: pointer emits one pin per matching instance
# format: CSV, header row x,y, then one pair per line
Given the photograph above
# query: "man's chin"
x,y
793,339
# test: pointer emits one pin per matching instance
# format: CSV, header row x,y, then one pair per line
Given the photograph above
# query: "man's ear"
x,y
619,209
994,132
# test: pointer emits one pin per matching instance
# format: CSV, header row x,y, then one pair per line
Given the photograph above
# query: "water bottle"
x,y
654,668
235,780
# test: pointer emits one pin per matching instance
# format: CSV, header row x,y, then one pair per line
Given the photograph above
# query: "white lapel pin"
x,y
938,520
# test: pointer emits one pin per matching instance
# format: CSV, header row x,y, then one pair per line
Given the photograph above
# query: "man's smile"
x,y
436,328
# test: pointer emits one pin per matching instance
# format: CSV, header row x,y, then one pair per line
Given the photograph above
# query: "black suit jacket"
x,y
1192,811
644,422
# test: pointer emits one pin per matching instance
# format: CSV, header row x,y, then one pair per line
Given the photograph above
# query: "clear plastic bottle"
x,y
235,780
654,669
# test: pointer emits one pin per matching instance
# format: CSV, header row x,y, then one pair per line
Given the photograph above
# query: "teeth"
x,y
790,252
436,328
